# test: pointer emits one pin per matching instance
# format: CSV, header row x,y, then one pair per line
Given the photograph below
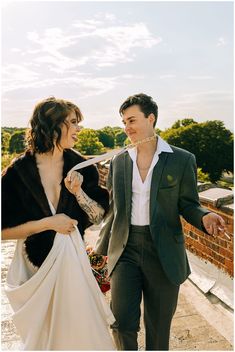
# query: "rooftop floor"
x,y
200,323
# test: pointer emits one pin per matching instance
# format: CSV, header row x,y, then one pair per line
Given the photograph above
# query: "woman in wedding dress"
x,y
56,300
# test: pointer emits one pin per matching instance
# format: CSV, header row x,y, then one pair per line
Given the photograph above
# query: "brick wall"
x,y
219,250
103,173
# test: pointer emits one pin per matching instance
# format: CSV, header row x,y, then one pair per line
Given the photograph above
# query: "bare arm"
x,y
94,211
24,230
59,223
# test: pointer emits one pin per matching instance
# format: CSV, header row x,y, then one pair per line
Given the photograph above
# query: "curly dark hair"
x,y
145,102
46,120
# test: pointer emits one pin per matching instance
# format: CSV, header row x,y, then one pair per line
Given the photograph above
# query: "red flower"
x,y
100,270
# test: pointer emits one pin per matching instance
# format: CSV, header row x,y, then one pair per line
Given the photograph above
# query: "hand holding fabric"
x,y
62,223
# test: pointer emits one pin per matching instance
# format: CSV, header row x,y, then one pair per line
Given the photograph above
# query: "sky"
x,y
96,54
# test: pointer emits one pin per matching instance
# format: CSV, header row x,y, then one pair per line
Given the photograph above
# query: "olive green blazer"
x,y
173,193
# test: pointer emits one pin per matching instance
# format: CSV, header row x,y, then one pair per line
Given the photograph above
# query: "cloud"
x,y
121,41
53,39
61,57
87,24
17,77
200,77
167,76
93,42
13,75
210,96
209,93
221,41
16,50
107,15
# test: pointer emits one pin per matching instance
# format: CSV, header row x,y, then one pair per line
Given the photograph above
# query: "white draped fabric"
x,y
60,305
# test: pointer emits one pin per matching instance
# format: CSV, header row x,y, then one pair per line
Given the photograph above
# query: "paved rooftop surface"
x,y
201,323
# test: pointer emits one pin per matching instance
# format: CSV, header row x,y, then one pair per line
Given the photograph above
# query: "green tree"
x,y
117,129
211,143
184,122
106,136
201,176
127,141
5,140
187,122
88,142
176,124
17,142
158,131
120,138
7,159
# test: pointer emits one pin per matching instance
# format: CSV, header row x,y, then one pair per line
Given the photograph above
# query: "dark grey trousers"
x,y
138,272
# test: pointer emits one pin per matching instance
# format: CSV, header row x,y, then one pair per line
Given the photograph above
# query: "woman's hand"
x,y
61,223
73,182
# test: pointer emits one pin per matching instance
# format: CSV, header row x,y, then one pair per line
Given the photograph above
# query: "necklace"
x,y
148,139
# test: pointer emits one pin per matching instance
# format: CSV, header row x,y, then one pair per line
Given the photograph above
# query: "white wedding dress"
x,y
59,306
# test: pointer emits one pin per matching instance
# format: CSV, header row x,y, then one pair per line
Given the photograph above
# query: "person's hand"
x,y
90,250
62,223
214,224
73,182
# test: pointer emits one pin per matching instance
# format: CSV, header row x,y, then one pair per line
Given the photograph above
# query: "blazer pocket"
x,y
179,238
168,189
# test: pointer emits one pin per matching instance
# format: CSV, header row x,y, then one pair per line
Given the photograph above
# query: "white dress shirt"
x,y
140,189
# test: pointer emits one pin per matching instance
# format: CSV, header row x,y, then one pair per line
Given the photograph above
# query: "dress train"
x,y
60,305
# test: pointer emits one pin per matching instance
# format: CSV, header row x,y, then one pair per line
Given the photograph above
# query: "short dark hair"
x,y
145,102
46,120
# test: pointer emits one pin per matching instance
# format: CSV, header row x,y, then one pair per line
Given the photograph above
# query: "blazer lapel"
x,y
128,171
155,182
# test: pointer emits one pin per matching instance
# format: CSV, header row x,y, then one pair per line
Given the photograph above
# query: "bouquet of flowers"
x,y
99,269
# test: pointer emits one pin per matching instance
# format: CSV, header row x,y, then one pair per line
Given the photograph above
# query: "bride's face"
x,y
69,130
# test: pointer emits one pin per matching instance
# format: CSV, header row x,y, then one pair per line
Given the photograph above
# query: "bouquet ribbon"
x,y
109,155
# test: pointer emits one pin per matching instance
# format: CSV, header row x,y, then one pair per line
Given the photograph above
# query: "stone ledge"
x,y
228,208
217,197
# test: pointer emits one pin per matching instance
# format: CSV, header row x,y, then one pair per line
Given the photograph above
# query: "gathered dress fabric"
x,y
56,300
60,305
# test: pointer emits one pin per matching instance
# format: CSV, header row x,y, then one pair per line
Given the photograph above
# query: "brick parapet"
x,y
103,173
217,250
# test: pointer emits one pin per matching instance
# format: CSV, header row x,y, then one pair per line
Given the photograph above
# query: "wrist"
x,y
46,223
202,223
79,194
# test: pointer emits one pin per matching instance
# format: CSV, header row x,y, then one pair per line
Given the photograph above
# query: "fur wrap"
x,y
24,199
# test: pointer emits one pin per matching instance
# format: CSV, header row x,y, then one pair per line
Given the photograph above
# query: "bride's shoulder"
x,y
74,156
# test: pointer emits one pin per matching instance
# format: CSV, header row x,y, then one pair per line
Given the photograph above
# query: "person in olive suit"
x,y
150,186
